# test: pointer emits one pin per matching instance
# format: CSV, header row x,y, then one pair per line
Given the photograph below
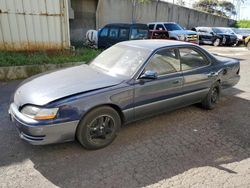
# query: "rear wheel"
x,y
216,42
98,128
212,97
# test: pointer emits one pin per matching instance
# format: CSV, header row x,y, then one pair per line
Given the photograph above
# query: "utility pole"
x,y
238,5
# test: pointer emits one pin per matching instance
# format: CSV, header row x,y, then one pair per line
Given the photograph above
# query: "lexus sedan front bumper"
x,y
33,132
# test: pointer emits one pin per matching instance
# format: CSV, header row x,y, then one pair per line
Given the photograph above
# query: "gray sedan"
x,y
127,82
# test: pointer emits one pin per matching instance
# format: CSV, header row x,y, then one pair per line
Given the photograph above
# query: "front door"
x,y
162,93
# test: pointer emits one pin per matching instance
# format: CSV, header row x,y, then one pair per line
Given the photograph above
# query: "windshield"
x,y
223,30
120,60
172,27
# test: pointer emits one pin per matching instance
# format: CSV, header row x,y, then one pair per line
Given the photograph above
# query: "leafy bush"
x,y
243,24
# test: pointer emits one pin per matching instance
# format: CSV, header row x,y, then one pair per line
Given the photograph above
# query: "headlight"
x,y
181,37
39,113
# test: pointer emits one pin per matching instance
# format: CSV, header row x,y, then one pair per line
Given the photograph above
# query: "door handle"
x,y
176,82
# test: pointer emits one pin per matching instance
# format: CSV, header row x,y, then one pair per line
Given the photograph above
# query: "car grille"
x,y
192,38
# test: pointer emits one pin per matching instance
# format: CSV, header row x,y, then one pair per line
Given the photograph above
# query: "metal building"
x,y
34,24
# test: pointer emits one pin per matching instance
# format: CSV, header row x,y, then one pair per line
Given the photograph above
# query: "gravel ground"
x,y
189,147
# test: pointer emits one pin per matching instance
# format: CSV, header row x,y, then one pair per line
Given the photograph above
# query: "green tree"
x,y
181,2
220,8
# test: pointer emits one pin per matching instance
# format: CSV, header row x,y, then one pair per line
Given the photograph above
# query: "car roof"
x,y
153,44
162,23
125,24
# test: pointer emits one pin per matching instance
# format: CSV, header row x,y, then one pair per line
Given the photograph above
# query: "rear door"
x,y
123,34
161,94
113,36
198,74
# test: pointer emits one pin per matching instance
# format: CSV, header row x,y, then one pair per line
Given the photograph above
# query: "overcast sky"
x,y
244,9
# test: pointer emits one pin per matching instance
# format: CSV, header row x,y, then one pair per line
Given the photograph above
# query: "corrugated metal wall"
x,y
34,24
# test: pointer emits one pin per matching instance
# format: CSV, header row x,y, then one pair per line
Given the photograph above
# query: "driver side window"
x,y
164,62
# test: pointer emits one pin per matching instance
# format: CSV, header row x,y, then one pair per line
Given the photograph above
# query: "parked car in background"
x,y
175,31
206,36
228,38
216,36
127,82
247,42
242,34
118,32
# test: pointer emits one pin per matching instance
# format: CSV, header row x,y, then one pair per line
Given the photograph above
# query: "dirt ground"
x,y
190,147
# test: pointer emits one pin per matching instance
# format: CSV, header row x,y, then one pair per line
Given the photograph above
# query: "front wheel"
x,y
98,128
216,42
212,97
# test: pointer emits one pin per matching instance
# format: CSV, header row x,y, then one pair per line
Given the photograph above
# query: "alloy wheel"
x,y
214,95
101,129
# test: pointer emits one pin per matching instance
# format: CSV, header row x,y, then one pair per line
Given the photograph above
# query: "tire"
x,y
212,97
216,42
98,128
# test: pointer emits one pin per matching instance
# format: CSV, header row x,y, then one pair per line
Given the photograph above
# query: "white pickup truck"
x,y
175,31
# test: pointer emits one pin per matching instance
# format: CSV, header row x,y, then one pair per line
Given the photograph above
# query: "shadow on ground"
x,y
145,152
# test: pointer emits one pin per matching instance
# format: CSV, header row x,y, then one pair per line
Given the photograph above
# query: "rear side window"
x,y
104,32
113,33
137,33
124,32
191,59
203,30
160,27
151,26
164,62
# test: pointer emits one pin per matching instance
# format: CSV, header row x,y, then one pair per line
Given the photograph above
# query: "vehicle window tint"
x,y
172,27
137,33
104,32
151,26
164,62
191,59
124,33
113,33
160,27
203,30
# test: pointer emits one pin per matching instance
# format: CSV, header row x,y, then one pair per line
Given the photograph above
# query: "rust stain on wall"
x,y
34,46
25,27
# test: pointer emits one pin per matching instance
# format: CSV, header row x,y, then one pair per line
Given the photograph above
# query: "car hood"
x,y
41,90
227,34
186,32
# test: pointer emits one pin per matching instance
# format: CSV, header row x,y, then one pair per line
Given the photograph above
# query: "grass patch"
x,y
47,57
243,24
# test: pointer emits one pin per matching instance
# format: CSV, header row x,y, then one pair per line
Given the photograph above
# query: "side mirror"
x,y
152,75
212,33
